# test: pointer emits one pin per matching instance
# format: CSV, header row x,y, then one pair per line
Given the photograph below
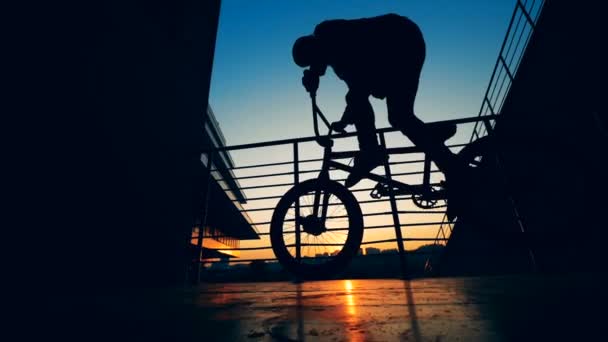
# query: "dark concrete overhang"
x,y
225,213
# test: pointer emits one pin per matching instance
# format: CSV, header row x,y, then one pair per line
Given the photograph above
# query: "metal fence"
x,y
521,26
393,223
520,30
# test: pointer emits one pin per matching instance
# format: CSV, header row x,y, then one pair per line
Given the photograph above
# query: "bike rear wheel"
x,y
467,194
472,154
327,247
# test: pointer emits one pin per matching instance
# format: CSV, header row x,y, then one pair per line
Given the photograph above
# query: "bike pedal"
x,y
378,191
375,193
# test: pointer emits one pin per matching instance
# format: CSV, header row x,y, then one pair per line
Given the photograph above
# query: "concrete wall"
x,y
553,138
553,143
116,93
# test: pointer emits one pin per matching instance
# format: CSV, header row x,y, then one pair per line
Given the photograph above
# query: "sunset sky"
x,y
256,92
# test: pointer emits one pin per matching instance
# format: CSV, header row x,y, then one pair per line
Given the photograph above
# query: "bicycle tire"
x,y
353,240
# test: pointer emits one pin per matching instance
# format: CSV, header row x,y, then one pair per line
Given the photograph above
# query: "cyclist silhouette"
x,y
382,57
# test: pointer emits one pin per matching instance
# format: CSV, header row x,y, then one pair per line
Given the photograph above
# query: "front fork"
x,y
322,201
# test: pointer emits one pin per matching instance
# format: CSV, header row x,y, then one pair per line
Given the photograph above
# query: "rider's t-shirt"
x,y
375,55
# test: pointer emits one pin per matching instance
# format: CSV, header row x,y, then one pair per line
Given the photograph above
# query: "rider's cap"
x,y
303,51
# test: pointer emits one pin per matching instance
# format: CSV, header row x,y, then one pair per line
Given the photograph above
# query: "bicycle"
x,y
305,208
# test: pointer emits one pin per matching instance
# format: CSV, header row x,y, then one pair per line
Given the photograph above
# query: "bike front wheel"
x,y
325,247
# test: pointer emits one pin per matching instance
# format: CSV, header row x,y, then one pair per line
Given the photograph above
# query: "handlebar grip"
x,y
325,141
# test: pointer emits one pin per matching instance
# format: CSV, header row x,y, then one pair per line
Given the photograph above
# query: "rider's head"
x,y
304,51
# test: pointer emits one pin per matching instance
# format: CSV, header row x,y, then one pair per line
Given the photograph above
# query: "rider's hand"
x,y
310,81
339,126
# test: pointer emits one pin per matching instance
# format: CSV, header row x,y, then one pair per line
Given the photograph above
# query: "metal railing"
x,y
392,221
520,30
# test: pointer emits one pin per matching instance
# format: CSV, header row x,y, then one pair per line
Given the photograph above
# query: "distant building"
x,y
222,264
389,251
360,252
225,223
372,250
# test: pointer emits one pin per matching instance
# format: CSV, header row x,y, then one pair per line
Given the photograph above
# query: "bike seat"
x,y
443,132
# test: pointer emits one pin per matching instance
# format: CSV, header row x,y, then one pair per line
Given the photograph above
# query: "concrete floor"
x,y
505,308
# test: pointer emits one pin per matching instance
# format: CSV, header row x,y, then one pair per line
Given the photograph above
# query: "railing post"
x,y
199,240
296,180
395,211
506,67
526,14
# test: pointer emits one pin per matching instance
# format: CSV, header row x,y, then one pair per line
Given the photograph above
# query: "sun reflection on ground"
x,y
350,298
352,322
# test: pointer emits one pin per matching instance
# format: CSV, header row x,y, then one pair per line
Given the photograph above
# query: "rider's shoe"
x,y
365,162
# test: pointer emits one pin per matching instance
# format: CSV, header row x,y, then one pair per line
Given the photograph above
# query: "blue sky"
x,y
256,92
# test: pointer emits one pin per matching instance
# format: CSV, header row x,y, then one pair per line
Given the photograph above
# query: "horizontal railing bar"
x,y
395,240
273,164
314,171
312,138
265,186
399,197
261,198
329,204
273,174
366,228
360,255
420,212
311,205
407,162
336,180
323,244
387,226
266,175
360,202
381,213
389,151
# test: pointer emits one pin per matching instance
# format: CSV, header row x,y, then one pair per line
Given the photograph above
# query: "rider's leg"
x,y
361,113
400,106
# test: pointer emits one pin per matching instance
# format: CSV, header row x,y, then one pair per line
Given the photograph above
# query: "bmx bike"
x,y
322,213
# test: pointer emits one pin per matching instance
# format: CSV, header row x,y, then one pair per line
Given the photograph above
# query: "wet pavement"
x,y
351,310
501,308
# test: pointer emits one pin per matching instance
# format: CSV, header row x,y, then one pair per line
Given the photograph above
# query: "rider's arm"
x,y
348,117
354,100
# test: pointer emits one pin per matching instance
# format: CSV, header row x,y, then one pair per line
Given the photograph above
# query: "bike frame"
x,y
328,163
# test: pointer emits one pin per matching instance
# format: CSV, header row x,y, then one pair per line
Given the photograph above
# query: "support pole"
x,y
296,180
395,212
196,274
